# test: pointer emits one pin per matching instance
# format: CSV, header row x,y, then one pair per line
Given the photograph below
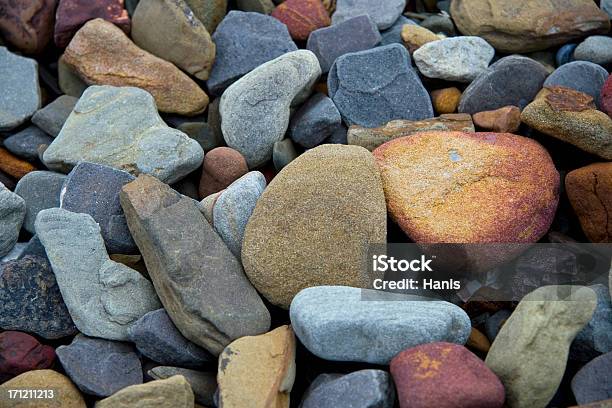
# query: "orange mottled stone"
x,y
14,166
445,100
302,17
456,187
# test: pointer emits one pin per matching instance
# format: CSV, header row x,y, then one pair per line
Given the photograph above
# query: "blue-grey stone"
x,y
283,153
244,41
565,54
494,323
357,34
582,76
34,248
40,190
606,5
513,80
158,339
364,388
340,136
373,87
592,383
20,95
393,34
234,207
341,323
25,144
596,337
94,189
12,214
383,13
439,24
31,300
52,117
100,367
596,49
315,121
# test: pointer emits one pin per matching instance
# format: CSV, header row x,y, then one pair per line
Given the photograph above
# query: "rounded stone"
x,y
596,49
329,196
565,54
20,352
582,76
66,395
222,166
302,17
446,100
20,97
592,382
606,96
27,25
459,187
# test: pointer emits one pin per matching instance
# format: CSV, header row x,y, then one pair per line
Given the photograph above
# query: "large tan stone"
x,y
258,371
65,394
102,54
174,392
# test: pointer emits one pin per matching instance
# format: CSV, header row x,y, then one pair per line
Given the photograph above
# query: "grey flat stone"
x,y
40,190
582,76
393,34
120,127
596,49
52,117
596,337
315,121
103,297
336,323
203,384
20,96
25,144
255,110
383,13
283,153
12,214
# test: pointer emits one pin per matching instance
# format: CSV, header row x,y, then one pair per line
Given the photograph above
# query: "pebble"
x,y
512,80
458,59
207,205
415,36
502,120
100,367
200,282
69,81
302,17
596,49
571,116
18,28
495,322
301,218
370,88
591,198
14,166
315,121
605,100
94,189
606,5
530,25
445,100
266,93
439,23
40,190
565,54
245,41
203,384
103,297
371,138
478,341
171,31
32,299
384,14
209,12
516,170
444,375
202,133
25,143
99,131
101,54
234,207
359,33
334,323
66,395
363,388
393,34
592,382
52,117
530,352
257,6
283,153
12,214
222,166
173,392
258,370
596,337
20,96
583,76
20,352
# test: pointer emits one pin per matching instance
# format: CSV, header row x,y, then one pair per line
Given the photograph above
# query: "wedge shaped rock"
x,y
12,214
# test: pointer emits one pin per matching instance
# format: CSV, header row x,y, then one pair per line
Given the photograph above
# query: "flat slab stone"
x,y
174,392
25,144
384,14
203,383
315,121
12,214
40,190
20,96
100,131
52,117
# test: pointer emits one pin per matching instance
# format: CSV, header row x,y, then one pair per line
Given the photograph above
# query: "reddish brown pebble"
x,y
20,352
72,14
444,375
222,166
27,25
14,166
478,341
606,97
590,192
302,17
503,120
445,100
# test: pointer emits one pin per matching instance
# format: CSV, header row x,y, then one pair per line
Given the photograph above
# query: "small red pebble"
x,y
606,97
20,352
444,375
222,166
302,17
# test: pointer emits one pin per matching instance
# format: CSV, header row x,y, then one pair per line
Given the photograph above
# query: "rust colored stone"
x,y
13,165
101,54
445,100
415,36
27,25
20,352
606,97
72,14
503,120
589,190
478,341
222,166
302,17
565,99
